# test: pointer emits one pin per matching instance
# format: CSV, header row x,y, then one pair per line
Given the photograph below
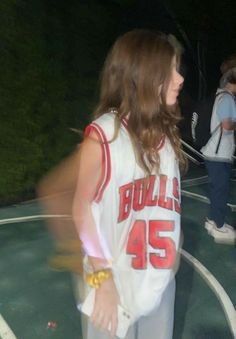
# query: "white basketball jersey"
x,y
137,217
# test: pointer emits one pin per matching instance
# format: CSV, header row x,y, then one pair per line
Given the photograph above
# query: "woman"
x,y
127,205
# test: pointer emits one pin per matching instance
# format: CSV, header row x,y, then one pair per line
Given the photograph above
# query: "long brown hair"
x,y
134,82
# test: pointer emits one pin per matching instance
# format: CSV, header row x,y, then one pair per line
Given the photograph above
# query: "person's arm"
x,y
228,124
89,174
226,110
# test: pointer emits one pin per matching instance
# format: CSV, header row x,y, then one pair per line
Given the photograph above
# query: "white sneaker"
x,y
209,224
225,235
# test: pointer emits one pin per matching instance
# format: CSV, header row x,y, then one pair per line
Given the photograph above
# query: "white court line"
x,y
217,288
195,161
195,196
194,181
32,217
5,331
202,198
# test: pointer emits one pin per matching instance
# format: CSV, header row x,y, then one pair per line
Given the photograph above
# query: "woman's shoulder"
x,y
104,125
105,118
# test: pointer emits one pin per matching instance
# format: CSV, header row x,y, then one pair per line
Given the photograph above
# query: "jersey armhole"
x,y
106,159
161,143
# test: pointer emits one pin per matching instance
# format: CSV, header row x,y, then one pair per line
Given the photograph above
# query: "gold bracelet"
x,y
96,279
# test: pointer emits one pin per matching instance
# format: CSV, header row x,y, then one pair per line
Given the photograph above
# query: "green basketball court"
x,y
38,303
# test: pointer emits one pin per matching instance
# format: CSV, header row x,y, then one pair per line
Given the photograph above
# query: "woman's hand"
x,y
105,310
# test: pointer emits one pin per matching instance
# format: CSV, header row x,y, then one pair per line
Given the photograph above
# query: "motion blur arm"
x,y
56,192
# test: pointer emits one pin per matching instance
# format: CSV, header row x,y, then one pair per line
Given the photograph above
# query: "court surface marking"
x,y
5,331
214,285
217,288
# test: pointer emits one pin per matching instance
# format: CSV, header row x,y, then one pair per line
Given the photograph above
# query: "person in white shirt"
x,y
218,154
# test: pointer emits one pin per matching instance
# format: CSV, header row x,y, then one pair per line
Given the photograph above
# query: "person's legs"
x,y
219,179
219,182
159,323
93,333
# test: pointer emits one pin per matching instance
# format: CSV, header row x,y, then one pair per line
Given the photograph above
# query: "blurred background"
x,y
51,53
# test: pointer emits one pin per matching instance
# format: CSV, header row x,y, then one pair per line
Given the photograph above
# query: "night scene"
x,y
118,171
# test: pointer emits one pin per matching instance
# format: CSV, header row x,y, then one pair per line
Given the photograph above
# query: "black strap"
x,y
220,137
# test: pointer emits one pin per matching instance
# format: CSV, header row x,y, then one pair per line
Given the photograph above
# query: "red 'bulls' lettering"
x,y
126,195
142,192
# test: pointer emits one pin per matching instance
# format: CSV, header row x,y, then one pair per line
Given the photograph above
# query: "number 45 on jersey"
x,y
144,234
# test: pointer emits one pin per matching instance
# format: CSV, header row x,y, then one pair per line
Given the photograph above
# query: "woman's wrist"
x,y
96,278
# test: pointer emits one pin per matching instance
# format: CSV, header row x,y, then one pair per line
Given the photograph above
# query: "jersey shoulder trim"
x,y
106,159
